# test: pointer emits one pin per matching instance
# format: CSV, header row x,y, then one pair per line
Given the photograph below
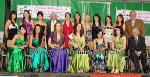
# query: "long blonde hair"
x,y
61,33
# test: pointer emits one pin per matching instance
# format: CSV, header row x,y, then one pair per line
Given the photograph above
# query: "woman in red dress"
x,y
67,28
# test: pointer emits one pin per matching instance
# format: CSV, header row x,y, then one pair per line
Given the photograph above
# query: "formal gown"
x,y
88,36
59,57
28,27
12,30
108,34
116,59
79,61
98,59
16,57
67,31
38,55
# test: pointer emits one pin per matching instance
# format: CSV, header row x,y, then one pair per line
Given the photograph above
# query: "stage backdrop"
x,y
88,7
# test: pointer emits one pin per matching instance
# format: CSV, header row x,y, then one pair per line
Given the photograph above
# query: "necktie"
x,y
136,41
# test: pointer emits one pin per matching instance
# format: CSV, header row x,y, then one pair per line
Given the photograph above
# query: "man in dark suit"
x,y
137,48
51,23
134,22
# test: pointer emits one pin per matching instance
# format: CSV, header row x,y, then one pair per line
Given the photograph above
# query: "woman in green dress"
x,y
37,52
15,51
79,60
116,57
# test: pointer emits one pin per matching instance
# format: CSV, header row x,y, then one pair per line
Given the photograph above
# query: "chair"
x,y
2,55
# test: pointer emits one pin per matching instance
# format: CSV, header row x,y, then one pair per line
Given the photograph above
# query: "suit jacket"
x,y
48,29
138,23
140,46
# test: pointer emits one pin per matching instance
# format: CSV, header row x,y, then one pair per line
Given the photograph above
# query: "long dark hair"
x,y
99,19
41,34
122,21
75,30
13,13
25,35
110,20
75,21
121,31
10,17
29,15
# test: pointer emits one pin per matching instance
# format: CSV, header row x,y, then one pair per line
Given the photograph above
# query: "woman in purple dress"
x,y
59,57
27,22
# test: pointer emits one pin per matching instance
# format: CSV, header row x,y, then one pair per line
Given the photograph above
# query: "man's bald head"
x,y
135,32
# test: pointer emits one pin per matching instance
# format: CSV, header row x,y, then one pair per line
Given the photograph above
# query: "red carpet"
x,y
117,75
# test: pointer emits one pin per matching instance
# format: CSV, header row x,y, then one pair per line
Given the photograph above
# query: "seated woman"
x,y
37,52
15,51
98,59
59,57
79,60
116,57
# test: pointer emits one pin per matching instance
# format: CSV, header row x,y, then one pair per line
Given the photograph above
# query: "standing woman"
x,y
37,52
59,57
15,51
116,57
27,22
96,25
11,27
67,28
41,22
79,60
120,22
77,18
98,58
108,30
88,32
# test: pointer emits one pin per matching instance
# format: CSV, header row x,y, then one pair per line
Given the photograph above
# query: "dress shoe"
x,y
145,71
138,71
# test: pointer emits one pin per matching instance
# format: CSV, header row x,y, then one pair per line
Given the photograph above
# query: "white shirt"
x,y
133,23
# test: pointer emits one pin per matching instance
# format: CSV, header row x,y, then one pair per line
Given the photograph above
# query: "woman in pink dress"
x,y
67,28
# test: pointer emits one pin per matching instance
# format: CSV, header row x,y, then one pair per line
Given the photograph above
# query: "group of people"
x,y
77,47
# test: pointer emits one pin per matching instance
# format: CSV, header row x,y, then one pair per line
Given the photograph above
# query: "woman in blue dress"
x,y
37,52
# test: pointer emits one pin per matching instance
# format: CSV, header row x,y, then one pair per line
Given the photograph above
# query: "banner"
x,y
59,10
143,15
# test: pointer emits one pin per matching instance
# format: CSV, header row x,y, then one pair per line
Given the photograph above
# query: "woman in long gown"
x,y
37,52
96,25
15,51
41,22
88,32
59,57
108,30
67,28
116,57
79,60
11,27
98,58
27,21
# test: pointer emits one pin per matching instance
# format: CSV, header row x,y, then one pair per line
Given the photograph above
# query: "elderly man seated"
x,y
137,48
